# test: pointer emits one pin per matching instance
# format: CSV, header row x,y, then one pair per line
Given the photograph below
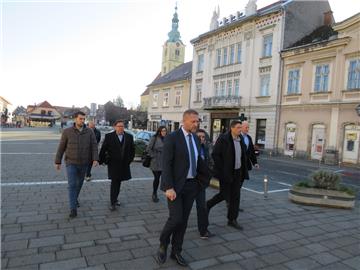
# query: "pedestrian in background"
x,y
117,152
79,145
201,210
230,167
155,149
97,133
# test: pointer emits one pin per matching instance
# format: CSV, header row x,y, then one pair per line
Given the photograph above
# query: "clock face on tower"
x,y
177,44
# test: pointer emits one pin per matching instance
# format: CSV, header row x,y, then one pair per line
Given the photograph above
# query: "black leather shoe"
x,y
117,203
77,204
235,224
112,207
154,198
179,259
73,213
206,235
161,255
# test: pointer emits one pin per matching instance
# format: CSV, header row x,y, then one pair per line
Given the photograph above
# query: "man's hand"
x,y
58,167
257,166
170,194
95,163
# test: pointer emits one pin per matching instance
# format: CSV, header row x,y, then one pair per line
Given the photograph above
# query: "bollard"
x,y
339,164
265,187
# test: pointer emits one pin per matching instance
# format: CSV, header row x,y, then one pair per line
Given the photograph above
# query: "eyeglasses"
x,y
119,126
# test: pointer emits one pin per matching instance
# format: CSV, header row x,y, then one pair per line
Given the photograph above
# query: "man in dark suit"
x,y
117,151
178,180
230,167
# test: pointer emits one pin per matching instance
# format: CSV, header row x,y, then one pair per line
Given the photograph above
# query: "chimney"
x,y
328,18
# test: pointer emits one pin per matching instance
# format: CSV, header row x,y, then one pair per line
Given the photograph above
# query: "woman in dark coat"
x,y
155,149
117,151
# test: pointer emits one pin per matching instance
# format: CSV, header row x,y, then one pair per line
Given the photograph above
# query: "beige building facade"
x,y
237,65
320,94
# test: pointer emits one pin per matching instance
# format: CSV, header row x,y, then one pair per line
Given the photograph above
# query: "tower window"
x,y
177,53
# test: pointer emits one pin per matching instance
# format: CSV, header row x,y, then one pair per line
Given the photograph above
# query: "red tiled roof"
x,y
45,104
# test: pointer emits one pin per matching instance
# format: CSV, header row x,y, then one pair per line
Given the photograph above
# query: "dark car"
x,y
142,139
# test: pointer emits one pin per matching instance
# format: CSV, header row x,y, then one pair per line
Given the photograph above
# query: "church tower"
x,y
173,49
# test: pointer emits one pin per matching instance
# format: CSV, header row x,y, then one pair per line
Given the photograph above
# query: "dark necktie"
x,y
192,155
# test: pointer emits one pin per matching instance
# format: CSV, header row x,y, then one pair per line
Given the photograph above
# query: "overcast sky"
x,y
78,51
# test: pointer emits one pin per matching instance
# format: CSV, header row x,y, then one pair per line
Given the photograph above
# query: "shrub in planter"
x,y
325,180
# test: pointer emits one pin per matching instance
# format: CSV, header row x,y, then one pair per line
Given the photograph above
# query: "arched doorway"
x,y
290,133
317,141
350,151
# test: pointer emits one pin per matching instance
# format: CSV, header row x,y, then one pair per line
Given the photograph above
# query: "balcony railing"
x,y
222,102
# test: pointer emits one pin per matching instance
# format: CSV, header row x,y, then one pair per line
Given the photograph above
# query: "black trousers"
x,y
88,171
179,211
156,181
202,215
230,192
114,190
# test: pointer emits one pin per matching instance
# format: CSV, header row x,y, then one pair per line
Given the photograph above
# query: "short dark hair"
x,y
190,111
79,113
119,121
201,130
234,123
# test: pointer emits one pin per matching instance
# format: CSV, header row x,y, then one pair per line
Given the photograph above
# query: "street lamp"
x,y
357,109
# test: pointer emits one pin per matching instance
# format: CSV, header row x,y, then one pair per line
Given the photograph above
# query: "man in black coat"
x,y
250,150
182,168
230,167
117,151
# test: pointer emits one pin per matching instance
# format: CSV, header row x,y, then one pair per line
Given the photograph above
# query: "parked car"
x,y
142,139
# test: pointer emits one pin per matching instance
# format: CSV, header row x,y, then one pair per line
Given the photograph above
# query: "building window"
x,y
232,54
43,112
166,99
216,89
50,113
155,99
229,88
293,81
225,55
265,85
222,88
218,57
321,78
238,54
178,98
267,45
237,87
177,53
200,64
260,132
354,74
198,91
290,133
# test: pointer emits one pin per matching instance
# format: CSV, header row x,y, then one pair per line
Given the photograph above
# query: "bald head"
x,y
245,127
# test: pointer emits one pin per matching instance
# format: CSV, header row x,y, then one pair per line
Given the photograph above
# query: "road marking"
x,y
284,184
339,171
293,174
251,190
64,182
278,190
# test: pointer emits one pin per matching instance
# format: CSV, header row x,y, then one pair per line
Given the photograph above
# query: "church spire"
x,y
174,34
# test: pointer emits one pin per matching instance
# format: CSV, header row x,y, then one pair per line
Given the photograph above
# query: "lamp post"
x,y
357,109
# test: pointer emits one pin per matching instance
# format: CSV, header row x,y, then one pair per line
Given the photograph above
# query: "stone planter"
x,y
321,197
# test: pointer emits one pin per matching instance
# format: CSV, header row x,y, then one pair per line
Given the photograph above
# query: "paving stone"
x,y
335,266
230,257
298,252
46,241
78,245
207,252
252,263
290,235
67,254
136,264
341,254
64,265
21,252
316,247
108,257
302,264
203,264
29,219
20,236
31,259
14,245
239,245
27,267
127,231
144,251
86,236
274,258
96,267
94,250
127,245
353,262
265,240
56,232
248,254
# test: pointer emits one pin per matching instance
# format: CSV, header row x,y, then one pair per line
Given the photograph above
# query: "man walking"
x,y
250,150
179,171
117,151
79,145
97,133
202,215
230,167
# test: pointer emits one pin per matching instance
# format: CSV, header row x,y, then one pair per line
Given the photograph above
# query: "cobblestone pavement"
x,y
37,234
